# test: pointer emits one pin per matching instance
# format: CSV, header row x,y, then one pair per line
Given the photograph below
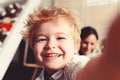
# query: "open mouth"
x,y
53,55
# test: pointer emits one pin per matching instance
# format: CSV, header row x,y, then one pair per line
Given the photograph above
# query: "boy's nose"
x,y
50,45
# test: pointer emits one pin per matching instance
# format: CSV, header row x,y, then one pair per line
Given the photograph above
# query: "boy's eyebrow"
x,y
58,33
39,35
62,33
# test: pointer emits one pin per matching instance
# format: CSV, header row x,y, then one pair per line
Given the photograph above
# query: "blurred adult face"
x,y
88,44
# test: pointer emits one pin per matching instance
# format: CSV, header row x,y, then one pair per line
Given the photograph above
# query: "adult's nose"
x,y
88,46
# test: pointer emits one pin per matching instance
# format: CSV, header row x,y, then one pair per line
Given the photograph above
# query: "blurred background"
x,y
16,58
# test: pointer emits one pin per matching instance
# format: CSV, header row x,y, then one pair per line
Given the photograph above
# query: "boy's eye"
x,y
41,39
61,38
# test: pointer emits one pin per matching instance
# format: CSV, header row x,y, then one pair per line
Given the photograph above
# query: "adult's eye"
x,y
92,44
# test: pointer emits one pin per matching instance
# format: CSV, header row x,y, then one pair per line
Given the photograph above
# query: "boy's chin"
x,y
54,67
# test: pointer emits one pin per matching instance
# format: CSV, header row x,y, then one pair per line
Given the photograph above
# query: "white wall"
x,y
97,15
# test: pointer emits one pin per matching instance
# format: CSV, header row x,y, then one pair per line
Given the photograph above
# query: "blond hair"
x,y
43,15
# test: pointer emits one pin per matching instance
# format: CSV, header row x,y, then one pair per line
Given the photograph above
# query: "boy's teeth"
x,y
52,55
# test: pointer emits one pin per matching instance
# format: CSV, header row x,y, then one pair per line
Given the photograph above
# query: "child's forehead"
x,y
55,24
59,21
62,21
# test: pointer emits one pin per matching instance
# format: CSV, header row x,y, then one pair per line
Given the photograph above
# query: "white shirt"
x,y
70,70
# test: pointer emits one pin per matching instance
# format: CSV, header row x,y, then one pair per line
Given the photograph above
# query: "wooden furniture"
x,y
28,64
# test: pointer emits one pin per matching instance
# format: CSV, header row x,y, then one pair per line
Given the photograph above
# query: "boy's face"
x,y
54,45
